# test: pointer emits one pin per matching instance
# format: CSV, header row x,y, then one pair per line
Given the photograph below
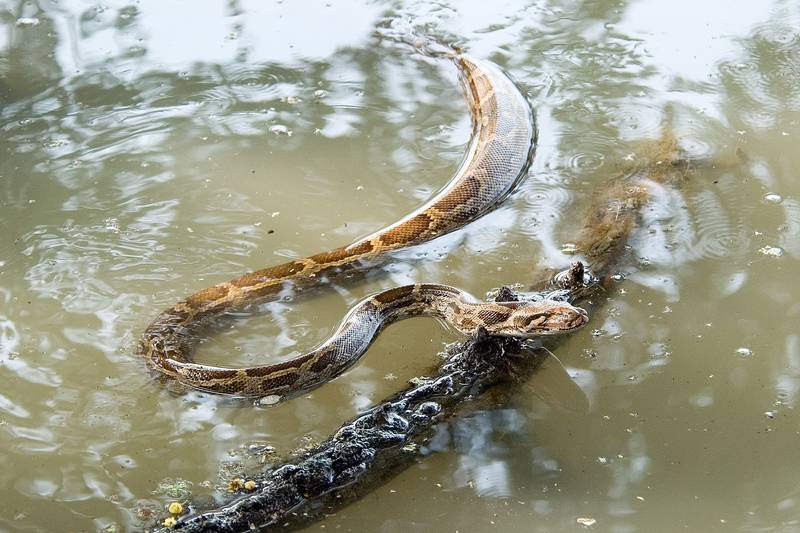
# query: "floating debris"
x,y
569,248
112,224
250,485
744,352
144,512
769,414
55,143
260,448
177,489
170,522
320,94
280,129
291,99
175,508
585,521
773,251
27,21
773,198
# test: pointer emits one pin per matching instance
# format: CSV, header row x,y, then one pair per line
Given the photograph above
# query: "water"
x,y
151,149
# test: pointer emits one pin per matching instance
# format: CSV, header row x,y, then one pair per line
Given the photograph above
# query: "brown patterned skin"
x,y
498,157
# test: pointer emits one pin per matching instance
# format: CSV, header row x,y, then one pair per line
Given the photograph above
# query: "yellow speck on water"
x,y
170,522
175,508
250,485
236,484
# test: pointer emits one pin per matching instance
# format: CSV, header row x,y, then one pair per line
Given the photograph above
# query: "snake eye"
x,y
529,321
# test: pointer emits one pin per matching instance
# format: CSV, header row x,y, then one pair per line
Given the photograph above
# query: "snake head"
x,y
535,319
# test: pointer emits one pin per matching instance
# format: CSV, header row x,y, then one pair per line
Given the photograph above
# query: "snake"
x,y
499,153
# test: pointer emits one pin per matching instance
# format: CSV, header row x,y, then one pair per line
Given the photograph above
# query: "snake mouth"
x,y
581,320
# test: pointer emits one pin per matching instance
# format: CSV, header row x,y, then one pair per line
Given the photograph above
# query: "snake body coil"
x,y
498,157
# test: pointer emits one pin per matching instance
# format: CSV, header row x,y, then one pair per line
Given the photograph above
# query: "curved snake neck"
x,y
499,154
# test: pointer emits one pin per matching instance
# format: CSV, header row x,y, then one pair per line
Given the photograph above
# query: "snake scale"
x,y
499,153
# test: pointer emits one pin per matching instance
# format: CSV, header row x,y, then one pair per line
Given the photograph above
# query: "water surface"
x,y
149,149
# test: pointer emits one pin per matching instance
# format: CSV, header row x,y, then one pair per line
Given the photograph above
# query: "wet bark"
x,y
370,449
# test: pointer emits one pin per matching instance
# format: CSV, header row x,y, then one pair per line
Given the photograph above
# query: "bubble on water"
x,y
319,94
773,198
27,21
744,351
772,251
272,399
280,129
769,414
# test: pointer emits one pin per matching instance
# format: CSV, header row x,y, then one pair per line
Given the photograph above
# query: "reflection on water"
x,y
151,149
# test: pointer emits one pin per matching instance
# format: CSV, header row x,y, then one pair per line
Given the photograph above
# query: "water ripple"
x,y
717,234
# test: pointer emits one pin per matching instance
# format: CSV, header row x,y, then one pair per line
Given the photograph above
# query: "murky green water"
x,y
149,149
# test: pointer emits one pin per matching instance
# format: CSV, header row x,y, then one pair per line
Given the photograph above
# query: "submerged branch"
x,y
370,449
